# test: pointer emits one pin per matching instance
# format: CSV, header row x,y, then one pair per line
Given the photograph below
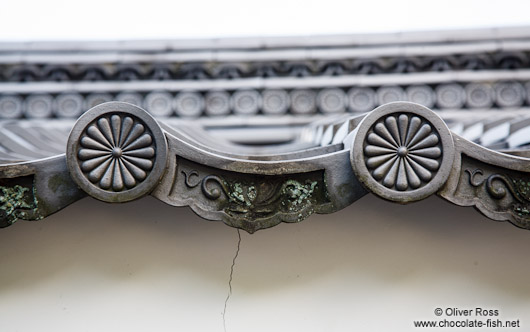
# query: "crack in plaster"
x,y
230,278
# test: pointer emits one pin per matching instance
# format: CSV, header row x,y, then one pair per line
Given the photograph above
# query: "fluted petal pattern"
x,y
117,152
403,152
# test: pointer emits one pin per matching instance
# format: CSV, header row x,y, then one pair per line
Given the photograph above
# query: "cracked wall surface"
x,y
148,266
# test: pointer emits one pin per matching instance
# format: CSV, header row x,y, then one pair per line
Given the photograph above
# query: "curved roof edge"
x,y
397,38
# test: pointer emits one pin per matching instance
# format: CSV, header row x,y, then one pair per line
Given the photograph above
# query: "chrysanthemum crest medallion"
x,y
116,152
403,152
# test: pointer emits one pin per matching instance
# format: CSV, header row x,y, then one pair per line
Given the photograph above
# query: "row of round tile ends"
x,y
273,102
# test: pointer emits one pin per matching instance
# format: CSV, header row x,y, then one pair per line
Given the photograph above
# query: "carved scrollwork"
x,y
214,193
249,202
497,192
401,151
510,193
242,197
210,193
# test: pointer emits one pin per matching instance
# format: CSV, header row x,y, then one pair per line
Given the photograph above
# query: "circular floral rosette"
x,y
116,152
402,152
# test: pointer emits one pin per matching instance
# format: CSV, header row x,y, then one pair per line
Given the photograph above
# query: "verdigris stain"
x,y
237,193
13,198
297,193
254,202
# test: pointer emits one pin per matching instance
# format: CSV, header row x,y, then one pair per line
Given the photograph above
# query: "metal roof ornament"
x,y
116,152
401,151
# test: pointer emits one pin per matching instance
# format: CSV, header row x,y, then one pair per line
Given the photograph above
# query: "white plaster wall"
x,y
146,266
31,20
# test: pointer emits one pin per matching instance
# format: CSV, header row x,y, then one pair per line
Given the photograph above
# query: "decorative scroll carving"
x,y
249,201
500,193
401,152
245,198
510,193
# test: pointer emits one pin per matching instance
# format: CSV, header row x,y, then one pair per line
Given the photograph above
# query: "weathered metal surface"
x,y
257,191
247,201
496,184
34,190
402,152
116,152
494,90
481,69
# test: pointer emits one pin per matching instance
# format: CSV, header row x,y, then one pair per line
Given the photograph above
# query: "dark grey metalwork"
x,y
116,152
259,131
402,152
485,69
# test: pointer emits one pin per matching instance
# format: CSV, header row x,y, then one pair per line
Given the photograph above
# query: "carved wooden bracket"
x,y
402,152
